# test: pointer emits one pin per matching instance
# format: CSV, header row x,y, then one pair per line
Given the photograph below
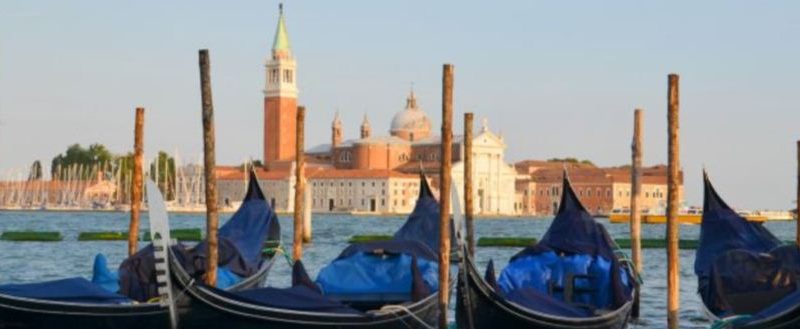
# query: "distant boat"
x,y
691,215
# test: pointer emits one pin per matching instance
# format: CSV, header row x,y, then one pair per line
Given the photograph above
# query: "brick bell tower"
x,y
280,99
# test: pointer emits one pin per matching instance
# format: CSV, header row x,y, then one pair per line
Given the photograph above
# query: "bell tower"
x,y
280,98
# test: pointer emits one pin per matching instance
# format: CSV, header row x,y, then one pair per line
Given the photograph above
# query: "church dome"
x,y
411,123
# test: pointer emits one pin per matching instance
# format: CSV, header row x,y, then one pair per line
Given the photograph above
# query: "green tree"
x,y
81,161
36,171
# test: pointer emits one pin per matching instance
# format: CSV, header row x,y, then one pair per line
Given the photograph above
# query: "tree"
x,y
81,163
36,171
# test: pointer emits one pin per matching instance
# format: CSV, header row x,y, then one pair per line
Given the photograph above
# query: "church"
x,y
370,174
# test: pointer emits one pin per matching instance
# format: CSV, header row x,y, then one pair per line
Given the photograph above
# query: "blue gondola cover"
x,y
741,267
383,270
74,290
240,244
575,246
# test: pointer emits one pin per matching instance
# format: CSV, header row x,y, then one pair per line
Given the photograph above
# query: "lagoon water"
x,y
37,261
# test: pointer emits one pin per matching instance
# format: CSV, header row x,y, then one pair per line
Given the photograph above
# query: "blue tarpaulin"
x,y
241,241
574,245
383,270
102,276
741,267
75,290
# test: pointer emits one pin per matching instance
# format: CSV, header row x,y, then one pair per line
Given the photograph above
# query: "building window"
x,y
362,202
383,202
287,76
273,75
373,184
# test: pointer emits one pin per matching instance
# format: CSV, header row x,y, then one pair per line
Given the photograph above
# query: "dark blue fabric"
x,y
384,269
535,300
299,298
240,243
75,290
365,273
787,303
727,243
247,231
102,276
722,229
575,243
573,231
409,247
423,223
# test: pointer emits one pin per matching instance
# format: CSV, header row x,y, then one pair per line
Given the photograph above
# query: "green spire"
x,y
281,36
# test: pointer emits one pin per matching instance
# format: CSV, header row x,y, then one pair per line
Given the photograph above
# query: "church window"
x,y
273,75
287,76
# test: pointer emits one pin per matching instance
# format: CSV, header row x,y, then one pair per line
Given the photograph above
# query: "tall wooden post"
x,y
673,228
444,193
297,244
212,215
636,194
797,203
138,182
468,206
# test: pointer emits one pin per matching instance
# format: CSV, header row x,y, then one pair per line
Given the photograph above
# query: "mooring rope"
x,y
405,309
728,322
279,250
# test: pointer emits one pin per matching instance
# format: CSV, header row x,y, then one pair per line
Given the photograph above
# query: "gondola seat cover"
x,y
383,270
240,243
574,244
380,269
75,290
542,272
302,296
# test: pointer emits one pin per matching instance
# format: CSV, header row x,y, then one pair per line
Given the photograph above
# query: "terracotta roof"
x,y
357,173
237,173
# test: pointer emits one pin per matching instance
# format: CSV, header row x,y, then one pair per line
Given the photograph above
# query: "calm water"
x,y
35,261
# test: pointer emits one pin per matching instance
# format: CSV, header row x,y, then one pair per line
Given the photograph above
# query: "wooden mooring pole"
x,y
212,215
636,194
299,195
468,207
138,182
444,193
797,202
673,228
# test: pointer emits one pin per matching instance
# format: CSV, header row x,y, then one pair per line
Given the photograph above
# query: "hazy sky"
x,y
557,78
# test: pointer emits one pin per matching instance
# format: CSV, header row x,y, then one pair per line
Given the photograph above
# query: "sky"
x,y
556,78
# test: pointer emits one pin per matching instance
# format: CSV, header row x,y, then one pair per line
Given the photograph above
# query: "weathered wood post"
x,y
212,215
299,231
797,203
673,228
636,194
468,207
444,193
138,182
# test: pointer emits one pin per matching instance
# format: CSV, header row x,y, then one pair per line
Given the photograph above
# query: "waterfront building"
x,y
368,174
538,187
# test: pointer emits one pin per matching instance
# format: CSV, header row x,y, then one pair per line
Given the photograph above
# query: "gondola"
x,y
82,304
572,278
348,292
746,277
